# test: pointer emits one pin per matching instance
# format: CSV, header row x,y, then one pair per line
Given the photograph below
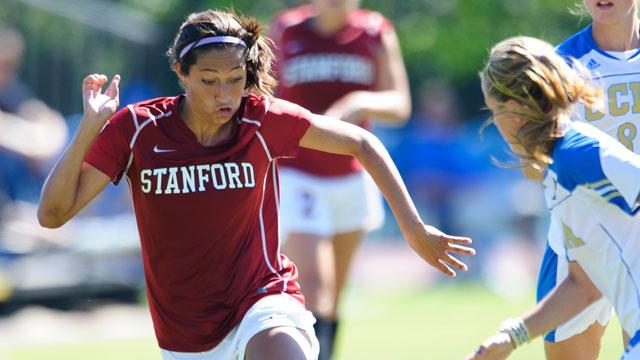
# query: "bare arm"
x,y
73,183
576,290
391,101
334,136
34,131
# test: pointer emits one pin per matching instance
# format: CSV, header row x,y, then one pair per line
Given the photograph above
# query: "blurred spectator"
x,y
31,133
434,153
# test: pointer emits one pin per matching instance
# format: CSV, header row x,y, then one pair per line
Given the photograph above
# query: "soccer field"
x,y
442,322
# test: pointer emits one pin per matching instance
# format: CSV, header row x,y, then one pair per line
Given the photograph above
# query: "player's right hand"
x,y
436,248
497,347
99,106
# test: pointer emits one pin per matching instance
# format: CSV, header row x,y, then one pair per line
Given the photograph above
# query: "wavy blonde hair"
x,y
531,73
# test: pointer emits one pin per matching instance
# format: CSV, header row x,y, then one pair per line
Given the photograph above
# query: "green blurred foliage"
x,y
448,40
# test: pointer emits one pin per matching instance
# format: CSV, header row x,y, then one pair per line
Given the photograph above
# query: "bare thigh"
x,y
313,256
584,346
280,343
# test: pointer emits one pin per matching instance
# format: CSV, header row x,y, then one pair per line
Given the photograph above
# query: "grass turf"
x,y
443,322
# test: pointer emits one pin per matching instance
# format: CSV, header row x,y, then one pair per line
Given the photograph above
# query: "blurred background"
x,y
78,292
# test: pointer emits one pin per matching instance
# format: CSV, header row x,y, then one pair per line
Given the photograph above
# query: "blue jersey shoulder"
x,y
576,160
578,44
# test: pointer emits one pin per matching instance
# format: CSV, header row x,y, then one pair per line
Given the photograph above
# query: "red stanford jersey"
x,y
207,216
315,71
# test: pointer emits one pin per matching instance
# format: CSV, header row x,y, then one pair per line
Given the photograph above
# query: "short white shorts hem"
x,y
280,310
327,206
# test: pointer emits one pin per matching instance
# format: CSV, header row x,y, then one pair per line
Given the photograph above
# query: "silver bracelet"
x,y
517,331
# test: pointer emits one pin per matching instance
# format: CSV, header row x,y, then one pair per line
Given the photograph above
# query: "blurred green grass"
x,y
442,322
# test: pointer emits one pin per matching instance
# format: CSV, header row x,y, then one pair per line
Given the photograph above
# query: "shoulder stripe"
x,y
134,117
151,119
264,145
612,195
254,122
598,184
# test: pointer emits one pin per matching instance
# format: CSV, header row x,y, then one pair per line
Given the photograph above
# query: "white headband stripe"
x,y
211,40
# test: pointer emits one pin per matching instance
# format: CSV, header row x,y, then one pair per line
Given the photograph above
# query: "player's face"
x,y
611,12
215,84
337,8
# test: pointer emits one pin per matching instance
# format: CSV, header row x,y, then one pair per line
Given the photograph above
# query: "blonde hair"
x,y
258,54
531,73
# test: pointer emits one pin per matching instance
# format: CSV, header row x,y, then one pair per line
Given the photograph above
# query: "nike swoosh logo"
x,y
156,149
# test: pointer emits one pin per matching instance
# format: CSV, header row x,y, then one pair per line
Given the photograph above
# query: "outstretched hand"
x,y
98,105
497,347
436,248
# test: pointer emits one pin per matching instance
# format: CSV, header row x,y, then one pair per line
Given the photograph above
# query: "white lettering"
x,y
172,184
202,176
234,175
222,176
249,178
219,184
329,67
158,173
188,179
146,183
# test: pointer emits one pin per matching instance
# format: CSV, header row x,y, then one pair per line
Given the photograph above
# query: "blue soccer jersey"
x,y
591,189
620,79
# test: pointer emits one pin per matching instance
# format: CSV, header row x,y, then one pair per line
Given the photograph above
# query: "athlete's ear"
x,y
178,69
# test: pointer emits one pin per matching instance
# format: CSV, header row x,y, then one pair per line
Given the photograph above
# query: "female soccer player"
x,y
610,49
591,184
201,168
344,62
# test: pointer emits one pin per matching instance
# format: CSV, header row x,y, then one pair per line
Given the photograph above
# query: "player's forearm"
x,y
60,189
377,161
559,306
389,106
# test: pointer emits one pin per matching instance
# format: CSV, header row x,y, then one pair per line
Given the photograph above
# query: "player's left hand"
x,y
497,347
346,108
435,247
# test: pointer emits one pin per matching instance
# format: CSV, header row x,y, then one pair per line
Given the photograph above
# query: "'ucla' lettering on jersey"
x,y
620,79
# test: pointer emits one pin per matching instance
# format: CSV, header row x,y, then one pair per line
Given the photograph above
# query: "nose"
x,y
223,93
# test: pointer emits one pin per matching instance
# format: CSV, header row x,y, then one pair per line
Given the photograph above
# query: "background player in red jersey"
x,y
344,62
202,173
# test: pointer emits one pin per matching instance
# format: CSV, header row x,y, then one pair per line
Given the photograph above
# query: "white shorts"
x,y
328,206
269,312
553,271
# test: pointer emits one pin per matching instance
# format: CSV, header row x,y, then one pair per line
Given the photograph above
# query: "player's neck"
x,y
617,37
207,133
328,24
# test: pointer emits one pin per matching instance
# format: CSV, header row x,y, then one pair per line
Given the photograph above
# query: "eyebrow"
x,y
216,71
